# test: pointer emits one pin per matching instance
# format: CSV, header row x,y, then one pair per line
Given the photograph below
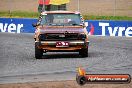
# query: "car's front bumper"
x,y
73,45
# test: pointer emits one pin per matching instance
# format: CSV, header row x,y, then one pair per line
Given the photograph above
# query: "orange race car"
x,y
60,31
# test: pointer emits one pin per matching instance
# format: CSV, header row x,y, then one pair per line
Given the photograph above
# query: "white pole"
x,y
43,9
10,7
78,5
115,8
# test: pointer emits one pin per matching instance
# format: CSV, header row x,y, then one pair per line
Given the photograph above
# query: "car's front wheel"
x,y
84,52
38,52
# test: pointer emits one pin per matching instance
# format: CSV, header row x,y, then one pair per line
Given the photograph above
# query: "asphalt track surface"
x,y
18,64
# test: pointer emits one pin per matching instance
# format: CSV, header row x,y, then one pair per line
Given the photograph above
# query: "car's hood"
x,y
64,29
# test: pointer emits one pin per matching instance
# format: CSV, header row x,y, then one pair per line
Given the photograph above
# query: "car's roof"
x,y
59,12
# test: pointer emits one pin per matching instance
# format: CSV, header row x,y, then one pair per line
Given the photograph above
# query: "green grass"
x,y
107,17
20,14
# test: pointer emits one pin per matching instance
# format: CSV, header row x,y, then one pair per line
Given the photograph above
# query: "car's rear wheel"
x,y
38,52
84,52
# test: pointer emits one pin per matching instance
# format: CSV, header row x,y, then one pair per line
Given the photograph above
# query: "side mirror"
x,y
83,25
34,24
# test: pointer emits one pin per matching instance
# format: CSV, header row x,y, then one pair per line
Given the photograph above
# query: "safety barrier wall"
x,y
94,27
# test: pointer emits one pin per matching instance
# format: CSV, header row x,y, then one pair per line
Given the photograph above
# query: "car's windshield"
x,y
61,20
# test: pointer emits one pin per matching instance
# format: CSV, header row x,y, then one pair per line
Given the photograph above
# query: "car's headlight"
x,y
42,37
82,36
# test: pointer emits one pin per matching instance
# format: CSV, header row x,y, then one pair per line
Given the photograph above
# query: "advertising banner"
x,y
17,25
94,27
109,28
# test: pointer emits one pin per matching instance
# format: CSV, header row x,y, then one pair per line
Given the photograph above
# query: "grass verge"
x,y
107,17
20,14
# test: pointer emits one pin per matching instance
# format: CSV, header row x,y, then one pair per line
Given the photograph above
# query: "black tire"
x,y
84,52
38,52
